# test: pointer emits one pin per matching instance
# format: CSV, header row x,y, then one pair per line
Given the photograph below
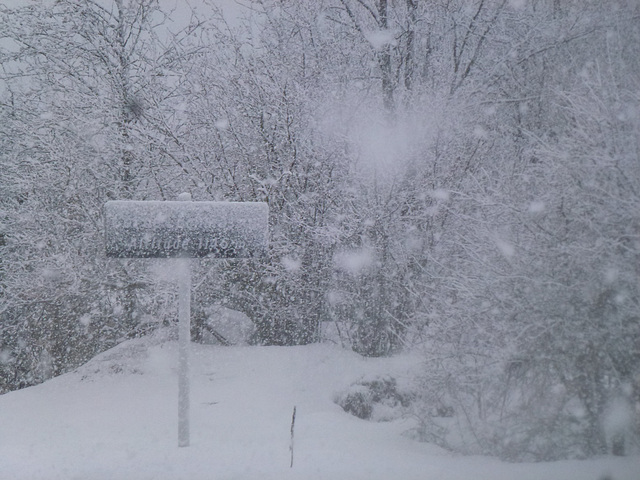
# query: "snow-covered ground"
x,y
116,418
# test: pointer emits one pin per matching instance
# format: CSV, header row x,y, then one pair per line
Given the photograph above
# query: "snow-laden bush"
x,y
378,399
519,410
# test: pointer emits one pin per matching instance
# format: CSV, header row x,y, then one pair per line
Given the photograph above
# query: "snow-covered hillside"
x,y
116,418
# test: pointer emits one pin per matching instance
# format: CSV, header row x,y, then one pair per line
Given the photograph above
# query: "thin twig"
x,y
293,423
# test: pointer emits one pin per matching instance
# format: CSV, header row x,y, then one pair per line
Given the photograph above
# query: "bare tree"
x,y
80,82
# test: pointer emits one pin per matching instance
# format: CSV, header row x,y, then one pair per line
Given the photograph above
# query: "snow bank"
x,y
116,418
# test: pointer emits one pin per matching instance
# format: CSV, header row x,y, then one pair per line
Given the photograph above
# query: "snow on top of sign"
x,y
192,216
195,213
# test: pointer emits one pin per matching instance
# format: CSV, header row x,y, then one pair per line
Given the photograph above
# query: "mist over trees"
x,y
459,178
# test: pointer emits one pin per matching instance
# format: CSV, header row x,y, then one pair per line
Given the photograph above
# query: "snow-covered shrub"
x,y
378,399
222,326
519,410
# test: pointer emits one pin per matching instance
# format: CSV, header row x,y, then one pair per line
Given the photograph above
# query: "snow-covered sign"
x,y
150,229
184,229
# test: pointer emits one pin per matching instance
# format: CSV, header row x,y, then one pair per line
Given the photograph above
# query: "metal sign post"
x,y
182,230
184,342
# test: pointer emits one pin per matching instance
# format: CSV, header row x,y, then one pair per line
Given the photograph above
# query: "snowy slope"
x,y
116,418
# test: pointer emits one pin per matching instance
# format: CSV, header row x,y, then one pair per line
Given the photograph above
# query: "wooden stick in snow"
x,y
293,423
